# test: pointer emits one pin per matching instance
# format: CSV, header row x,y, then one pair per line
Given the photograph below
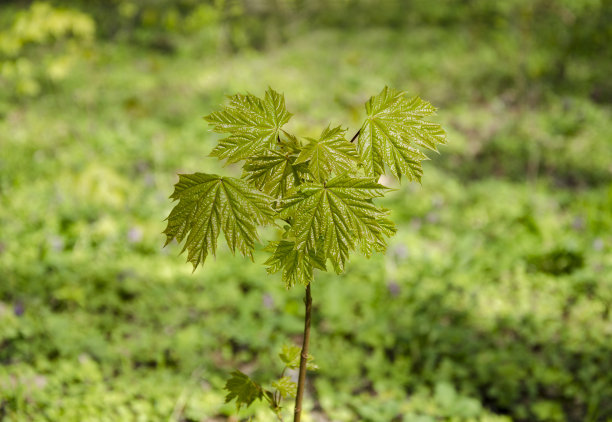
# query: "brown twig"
x,y
303,357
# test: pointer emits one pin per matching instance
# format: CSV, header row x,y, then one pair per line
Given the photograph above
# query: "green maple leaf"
x,y
297,266
339,214
392,132
285,387
209,204
254,125
274,173
290,355
241,388
331,153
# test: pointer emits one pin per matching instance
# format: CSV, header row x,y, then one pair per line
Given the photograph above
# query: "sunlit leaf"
x,y
392,133
254,125
209,204
331,153
274,173
297,266
290,355
340,214
241,388
285,387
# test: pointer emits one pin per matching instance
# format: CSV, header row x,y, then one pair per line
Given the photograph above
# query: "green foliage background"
x,y
492,303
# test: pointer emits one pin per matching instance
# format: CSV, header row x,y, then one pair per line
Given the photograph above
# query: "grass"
x,y
492,303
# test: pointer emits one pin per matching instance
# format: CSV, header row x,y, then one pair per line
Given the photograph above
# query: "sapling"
x,y
318,191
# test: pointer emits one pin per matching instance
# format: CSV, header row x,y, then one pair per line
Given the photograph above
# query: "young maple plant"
x,y
318,192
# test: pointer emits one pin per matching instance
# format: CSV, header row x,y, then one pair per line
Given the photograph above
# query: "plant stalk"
x,y
303,357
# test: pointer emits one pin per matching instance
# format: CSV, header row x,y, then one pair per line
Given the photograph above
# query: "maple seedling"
x,y
320,193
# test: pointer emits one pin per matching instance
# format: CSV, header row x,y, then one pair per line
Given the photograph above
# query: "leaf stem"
x,y
355,136
277,394
303,357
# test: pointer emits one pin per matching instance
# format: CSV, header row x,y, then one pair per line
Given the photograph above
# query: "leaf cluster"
x,y
242,389
319,191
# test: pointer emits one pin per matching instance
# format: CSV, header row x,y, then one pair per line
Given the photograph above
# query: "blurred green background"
x,y
492,303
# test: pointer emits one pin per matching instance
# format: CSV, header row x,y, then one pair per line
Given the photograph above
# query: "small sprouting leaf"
x,y
331,153
208,204
274,173
340,214
310,365
392,132
254,125
285,387
297,266
290,355
243,389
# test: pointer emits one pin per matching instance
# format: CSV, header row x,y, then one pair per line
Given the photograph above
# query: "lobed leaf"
x,y
392,132
331,153
254,125
290,355
241,388
285,387
274,173
297,266
338,215
209,204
